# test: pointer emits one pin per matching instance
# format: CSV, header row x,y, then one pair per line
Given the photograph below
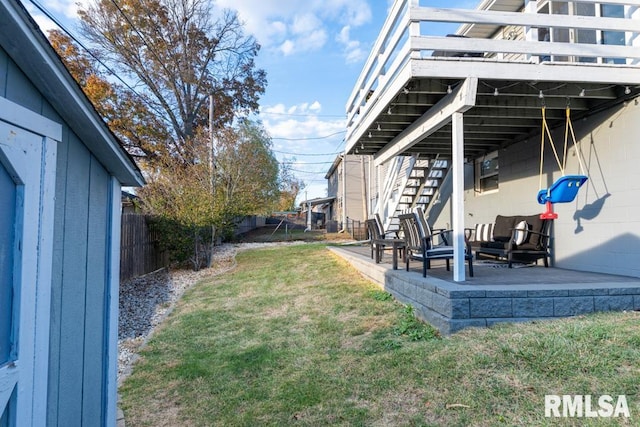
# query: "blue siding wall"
x,y
78,346
3,73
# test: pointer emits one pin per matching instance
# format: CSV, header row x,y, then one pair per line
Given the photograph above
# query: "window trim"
x,y
479,177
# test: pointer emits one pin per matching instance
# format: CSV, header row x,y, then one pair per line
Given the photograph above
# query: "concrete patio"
x,y
495,293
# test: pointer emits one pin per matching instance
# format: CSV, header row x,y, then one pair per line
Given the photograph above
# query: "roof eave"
x,y
28,47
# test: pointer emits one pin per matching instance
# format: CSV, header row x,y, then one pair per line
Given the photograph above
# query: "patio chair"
x,y
425,229
419,246
375,236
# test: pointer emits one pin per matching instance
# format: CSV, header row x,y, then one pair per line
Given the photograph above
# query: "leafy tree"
x,y
179,197
246,172
192,210
142,133
290,187
178,52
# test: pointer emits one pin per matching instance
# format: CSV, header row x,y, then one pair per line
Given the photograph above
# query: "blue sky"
x,y
313,52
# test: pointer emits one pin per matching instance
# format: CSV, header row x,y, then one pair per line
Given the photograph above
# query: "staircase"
x,y
410,182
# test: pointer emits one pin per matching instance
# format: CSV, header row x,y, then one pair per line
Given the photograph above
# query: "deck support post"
x,y
457,196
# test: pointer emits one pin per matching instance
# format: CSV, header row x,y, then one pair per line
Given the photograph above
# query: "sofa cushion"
x,y
527,247
495,245
503,228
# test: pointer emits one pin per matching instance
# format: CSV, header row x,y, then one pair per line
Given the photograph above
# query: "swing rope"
x,y
567,129
547,132
569,126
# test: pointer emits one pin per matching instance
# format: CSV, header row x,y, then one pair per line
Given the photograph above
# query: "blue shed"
x,y
61,172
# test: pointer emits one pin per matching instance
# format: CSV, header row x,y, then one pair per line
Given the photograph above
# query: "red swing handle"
x,y
549,213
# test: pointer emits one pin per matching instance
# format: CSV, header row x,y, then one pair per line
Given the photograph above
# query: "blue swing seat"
x,y
564,190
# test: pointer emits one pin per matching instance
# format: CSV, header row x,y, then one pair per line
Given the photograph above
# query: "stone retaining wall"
x,y
451,307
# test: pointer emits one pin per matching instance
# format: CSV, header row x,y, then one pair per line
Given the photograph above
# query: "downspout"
x,y
363,186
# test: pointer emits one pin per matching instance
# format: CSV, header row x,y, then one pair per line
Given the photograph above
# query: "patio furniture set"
x,y
509,238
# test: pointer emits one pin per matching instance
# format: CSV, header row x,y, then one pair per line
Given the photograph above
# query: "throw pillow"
x,y
522,231
484,233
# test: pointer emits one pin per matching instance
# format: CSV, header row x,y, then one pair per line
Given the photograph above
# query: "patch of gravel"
x,y
146,301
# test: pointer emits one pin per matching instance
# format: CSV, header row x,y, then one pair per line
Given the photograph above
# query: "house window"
x,y
583,36
613,37
487,173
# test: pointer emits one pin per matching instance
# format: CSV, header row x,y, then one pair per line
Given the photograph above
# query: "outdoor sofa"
x,y
513,238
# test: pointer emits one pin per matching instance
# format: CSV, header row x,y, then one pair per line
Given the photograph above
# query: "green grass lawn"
x,y
294,336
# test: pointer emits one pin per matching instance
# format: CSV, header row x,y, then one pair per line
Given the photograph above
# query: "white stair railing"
x,y
398,174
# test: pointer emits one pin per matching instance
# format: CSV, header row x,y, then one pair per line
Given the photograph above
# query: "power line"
x,y
305,154
305,163
308,172
301,115
65,30
311,138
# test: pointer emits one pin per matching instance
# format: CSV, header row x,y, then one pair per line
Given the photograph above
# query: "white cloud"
x,y
65,12
43,22
354,12
312,41
277,28
305,108
300,134
299,129
353,51
304,23
287,47
293,26
343,35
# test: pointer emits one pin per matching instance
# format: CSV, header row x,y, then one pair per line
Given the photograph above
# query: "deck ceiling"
x,y
506,112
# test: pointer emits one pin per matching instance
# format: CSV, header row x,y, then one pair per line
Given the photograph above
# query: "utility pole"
x,y
211,153
212,169
306,199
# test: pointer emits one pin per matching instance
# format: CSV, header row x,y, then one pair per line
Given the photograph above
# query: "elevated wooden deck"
x,y
414,67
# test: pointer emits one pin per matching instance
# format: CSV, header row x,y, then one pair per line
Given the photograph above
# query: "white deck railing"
x,y
404,38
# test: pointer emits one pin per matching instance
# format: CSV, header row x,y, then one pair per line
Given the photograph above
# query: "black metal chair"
x,y
419,245
376,236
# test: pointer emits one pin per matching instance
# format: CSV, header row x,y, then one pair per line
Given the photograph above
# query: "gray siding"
x,y
600,230
78,349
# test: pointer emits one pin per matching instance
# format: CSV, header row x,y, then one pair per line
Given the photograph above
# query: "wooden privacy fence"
x,y
139,249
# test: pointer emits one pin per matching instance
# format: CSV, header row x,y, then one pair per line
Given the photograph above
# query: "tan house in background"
x,y
351,194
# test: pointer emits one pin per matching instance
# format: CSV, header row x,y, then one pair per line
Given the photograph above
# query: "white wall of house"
x,y
600,230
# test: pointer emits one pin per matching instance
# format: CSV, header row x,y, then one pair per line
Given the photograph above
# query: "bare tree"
x,y
177,53
141,132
